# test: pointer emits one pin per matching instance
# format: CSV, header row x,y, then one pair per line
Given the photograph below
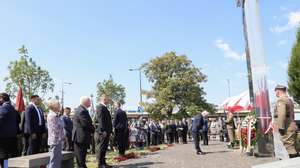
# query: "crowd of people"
x,y
35,131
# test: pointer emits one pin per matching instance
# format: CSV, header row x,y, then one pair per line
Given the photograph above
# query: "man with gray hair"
x,y
82,130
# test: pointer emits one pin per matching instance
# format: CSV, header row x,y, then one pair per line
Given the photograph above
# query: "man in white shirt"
x,y
34,125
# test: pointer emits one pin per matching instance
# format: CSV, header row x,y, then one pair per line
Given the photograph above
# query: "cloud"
x,y
281,42
228,52
293,22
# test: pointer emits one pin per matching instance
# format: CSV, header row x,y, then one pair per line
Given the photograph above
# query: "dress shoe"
x,y
200,153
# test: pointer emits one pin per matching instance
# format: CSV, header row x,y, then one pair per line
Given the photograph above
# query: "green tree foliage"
x,y
34,79
176,83
294,71
116,92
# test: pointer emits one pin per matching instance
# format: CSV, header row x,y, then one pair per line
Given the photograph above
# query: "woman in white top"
x,y
55,134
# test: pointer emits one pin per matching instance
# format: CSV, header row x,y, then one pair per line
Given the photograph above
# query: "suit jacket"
x,y
197,123
120,120
31,123
82,126
68,126
9,121
103,118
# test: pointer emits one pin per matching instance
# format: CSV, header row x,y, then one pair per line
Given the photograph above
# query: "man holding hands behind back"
x,y
196,127
103,131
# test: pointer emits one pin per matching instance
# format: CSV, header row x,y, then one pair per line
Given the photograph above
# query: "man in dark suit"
x,y
82,130
68,127
196,127
121,128
34,125
104,129
185,131
9,127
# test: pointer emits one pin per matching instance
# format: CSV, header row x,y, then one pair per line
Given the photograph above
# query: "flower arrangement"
x,y
131,155
154,148
248,131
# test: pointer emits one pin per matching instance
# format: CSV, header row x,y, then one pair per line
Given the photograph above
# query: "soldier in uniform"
x,y
230,128
284,120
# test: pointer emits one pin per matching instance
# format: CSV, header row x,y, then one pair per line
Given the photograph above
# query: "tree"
x,y
116,92
34,79
176,84
294,71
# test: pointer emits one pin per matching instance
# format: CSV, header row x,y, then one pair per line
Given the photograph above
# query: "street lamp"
x,y
228,83
140,76
62,94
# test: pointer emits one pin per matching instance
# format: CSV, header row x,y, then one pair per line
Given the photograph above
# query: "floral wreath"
x,y
248,131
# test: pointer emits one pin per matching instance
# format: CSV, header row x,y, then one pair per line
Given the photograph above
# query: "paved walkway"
x,y
184,156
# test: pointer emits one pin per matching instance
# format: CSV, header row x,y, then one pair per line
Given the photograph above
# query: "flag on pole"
x,y
20,105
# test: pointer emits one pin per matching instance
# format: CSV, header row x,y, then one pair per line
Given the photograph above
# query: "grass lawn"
x,y
92,162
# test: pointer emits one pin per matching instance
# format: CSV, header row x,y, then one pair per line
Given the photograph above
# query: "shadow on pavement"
x,y
216,152
139,165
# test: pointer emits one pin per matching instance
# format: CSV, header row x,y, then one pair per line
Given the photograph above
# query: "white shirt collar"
x,y
52,113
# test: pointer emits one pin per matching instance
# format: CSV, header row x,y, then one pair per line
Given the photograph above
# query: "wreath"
x,y
248,131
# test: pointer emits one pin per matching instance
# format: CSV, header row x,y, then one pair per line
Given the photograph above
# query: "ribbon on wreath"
x,y
249,131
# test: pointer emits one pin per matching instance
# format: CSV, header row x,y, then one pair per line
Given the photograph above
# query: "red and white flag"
x,y
20,105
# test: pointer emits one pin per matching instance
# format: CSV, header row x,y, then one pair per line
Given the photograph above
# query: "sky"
x,y
83,42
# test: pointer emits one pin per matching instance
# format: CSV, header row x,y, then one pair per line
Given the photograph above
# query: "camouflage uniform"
x,y
284,118
230,127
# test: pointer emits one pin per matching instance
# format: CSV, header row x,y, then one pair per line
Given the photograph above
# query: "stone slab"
x,y
289,163
38,159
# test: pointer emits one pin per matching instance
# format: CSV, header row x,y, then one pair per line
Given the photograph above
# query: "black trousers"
x,y
176,137
184,137
154,139
101,148
170,138
25,142
34,145
205,137
68,144
80,151
8,149
121,139
196,137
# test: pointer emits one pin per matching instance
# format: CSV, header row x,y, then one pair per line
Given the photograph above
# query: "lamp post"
x,y
140,77
92,106
62,94
228,83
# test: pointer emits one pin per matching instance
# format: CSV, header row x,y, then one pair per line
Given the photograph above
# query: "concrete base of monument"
x,y
289,163
38,160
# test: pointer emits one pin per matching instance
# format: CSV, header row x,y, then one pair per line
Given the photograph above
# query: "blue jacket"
x,y
31,123
197,123
205,125
9,121
68,125
120,120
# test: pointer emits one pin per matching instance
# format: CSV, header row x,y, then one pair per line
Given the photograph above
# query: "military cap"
x,y
280,87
